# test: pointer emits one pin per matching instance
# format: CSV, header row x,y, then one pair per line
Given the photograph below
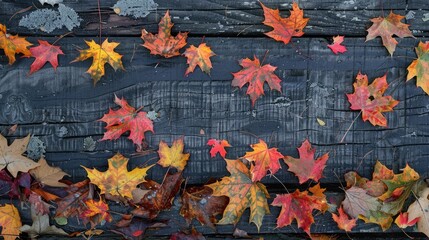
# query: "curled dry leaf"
x,y
174,156
13,44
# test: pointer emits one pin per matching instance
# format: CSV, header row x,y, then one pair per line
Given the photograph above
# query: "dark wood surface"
x,y
200,107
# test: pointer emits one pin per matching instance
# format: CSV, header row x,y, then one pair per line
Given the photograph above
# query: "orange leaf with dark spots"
x,y
199,56
44,53
370,100
256,75
306,167
13,44
218,146
343,221
336,46
285,28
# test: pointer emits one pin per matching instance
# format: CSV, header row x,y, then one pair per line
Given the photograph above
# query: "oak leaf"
x,y
10,221
48,175
386,28
336,46
403,221
101,55
13,44
11,156
419,68
44,53
117,180
243,193
163,43
41,226
306,167
370,100
96,212
420,209
218,146
199,56
264,160
343,221
256,75
126,119
299,206
285,28
174,156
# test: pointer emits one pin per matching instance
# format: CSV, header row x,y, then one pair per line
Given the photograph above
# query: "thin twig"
x,y
348,129
60,37
99,21
274,176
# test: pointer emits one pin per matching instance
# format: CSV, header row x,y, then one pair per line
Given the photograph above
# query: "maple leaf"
x,y
126,119
11,156
265,160
96,212
256,75
10,221
420,209
48,175
198,202
13,44
174,156
163,43
370,100
299,206
218,146
243,193
74,203
386,28
419,68
336,46
41,226
343,220
117,180
199,56
285,28
306,167
43,53
318,192
403,221
101,55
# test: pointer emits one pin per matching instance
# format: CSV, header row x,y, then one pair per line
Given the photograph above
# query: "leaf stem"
x,y
274,176
99,22
351,124
60,37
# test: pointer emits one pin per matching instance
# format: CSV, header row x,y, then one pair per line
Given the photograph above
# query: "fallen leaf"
x,y
48,175
358,202
420,209
13,44
15,187
320,122
343,221
243,193
41,226
306,167
285,28
193,235
370,100
43,53
218,146
419,68
174,156
136,228
386,28
256,75
318,192
126,119
336,46
40,206
403,221
11,156
264,159
101,55
96,212
199,56
10,221
74,203
381,218
117,180
238,233
163,43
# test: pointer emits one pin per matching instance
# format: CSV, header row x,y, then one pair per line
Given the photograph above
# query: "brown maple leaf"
x,y
256,75
370,100
163,43
74,203
48,175
285,28
174,156
419,68
44,53
199,56
386,28
13,44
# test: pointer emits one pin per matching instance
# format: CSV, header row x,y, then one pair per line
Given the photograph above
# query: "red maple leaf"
x,y
218,146
336,46
403,221
256,75
343,221
125,119
370,100
306,167
43,53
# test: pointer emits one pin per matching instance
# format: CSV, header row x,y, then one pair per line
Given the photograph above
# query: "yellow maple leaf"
x,y
117,180
173,156
199,56
12,44
10,221
101,55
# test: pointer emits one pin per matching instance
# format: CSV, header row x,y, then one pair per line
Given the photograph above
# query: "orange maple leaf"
x,y
96,212
126,119
306,167
343,221
218,146
419,68
370,100
13,44
173,156
163,43
264,159
336,46
43,53
10,221
285,28
256,75
386,27
199,56
101,55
